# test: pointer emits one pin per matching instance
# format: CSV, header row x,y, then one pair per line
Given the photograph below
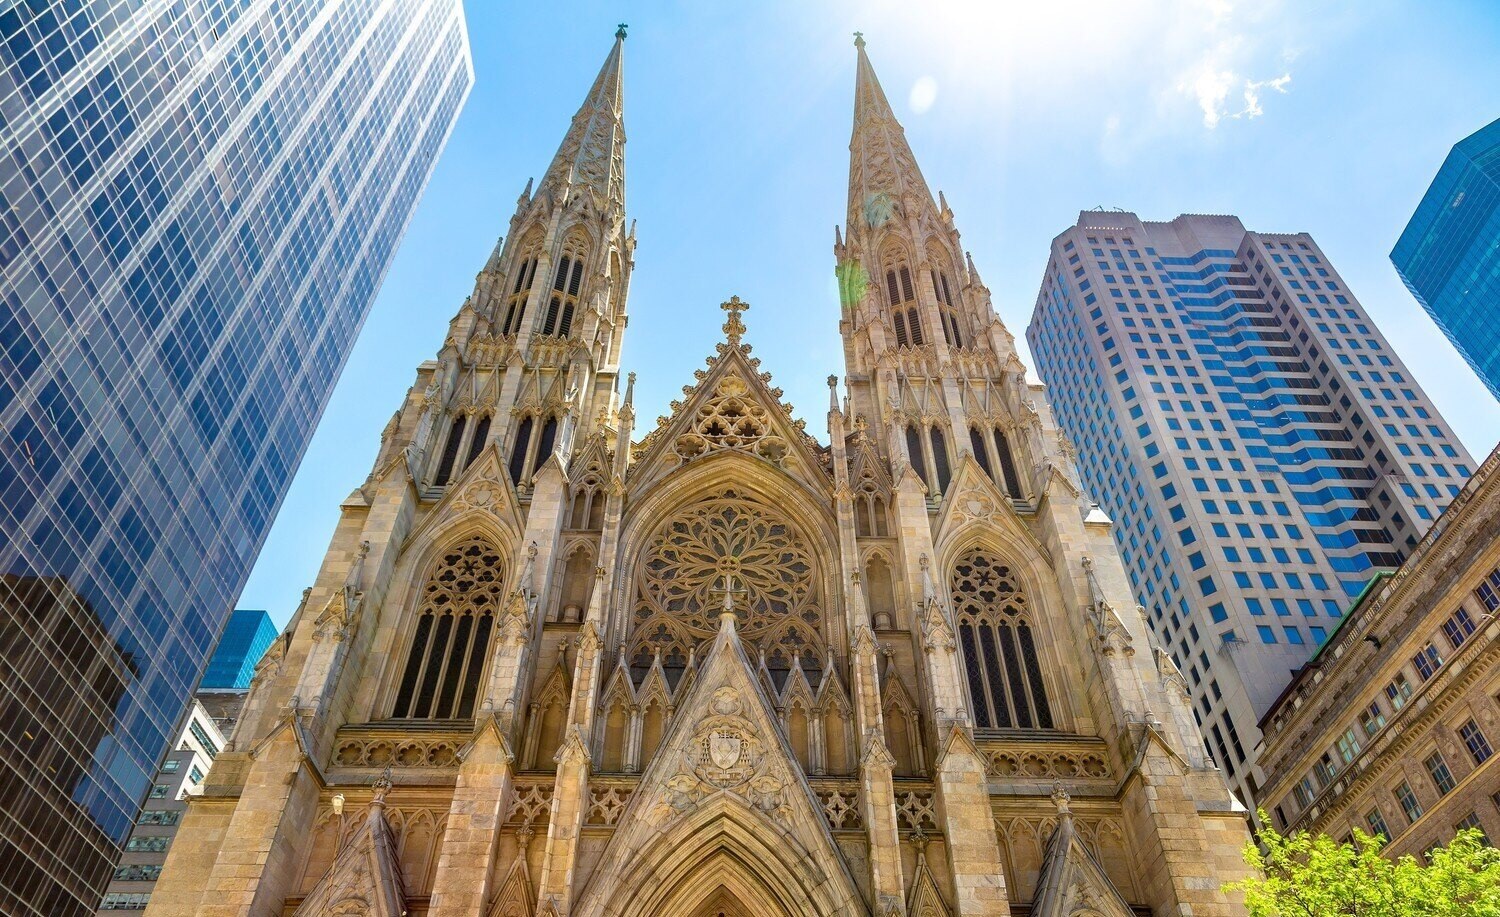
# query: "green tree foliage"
x,y
1306,875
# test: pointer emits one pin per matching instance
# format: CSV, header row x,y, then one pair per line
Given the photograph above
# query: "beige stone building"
x,y
549,668
1391,727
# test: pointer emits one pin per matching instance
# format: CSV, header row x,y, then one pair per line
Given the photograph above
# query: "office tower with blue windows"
x,y
198,200
1260,446
245,639
1449,255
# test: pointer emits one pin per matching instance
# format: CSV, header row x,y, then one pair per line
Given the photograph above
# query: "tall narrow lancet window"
x,y
948,309
1007,464
940,458
562,302
869,511
981,454
477,439
545,443
903,297
916,454
520,291
450,452
450,642
518,451
997,638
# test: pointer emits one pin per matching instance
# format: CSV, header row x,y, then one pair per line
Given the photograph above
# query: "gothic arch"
x,y
726,536
1036,602
443,655
879,572
723,847
573,582
420,556
520,280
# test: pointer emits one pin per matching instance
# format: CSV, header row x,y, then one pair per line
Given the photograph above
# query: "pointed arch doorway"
x,y
723,904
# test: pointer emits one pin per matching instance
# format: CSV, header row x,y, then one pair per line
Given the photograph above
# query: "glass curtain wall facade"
x,y
246,637
198,201
1449,255
1261,448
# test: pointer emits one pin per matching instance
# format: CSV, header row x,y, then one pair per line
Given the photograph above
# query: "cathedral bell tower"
x,y
532,359
931,368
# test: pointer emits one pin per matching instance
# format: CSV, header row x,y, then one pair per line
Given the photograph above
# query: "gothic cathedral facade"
x,y
721,670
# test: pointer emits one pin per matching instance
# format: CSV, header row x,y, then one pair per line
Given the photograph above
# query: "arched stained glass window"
x,y
997,637
450,451
450,644
518,452
477,440
917,454
1007,462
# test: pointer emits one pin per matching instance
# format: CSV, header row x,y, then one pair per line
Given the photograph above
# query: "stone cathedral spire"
x,y
592,155
931,366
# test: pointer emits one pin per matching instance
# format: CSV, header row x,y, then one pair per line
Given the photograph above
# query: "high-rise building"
x,y
181,775
245,639
725,668
198,201
1261,446
1449,254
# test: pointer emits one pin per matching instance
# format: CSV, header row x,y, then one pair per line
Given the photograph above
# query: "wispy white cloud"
x,y
1234,46
1252,94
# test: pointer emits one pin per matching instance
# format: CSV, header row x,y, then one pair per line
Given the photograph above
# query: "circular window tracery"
x,y
767,566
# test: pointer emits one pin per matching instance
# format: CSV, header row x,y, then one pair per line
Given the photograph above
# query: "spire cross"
x,y
620,32
734,328
859,39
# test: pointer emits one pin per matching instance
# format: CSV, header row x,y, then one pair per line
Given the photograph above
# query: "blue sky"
x,y
1318,117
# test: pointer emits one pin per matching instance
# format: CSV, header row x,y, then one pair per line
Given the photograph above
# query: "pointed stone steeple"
x,y
883,171
592,154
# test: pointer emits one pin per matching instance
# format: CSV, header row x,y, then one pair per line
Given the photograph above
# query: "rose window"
x,y
729,542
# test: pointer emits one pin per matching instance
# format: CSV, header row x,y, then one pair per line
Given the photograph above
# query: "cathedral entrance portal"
x,y
723,904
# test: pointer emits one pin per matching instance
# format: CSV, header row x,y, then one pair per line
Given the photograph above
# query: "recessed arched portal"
x,y
723,857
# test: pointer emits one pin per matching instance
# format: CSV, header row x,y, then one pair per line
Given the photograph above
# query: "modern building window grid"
x,y
278,467
1162,340
90,111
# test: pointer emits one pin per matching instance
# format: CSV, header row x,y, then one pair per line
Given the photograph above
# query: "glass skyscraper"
x,y
1259,445
198,200
246,637
1449,255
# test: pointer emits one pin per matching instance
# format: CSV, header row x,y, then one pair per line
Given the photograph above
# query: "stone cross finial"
x,y
620,32
859,39
734,327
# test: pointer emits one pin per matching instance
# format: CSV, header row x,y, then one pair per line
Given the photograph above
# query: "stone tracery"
x,y
680,583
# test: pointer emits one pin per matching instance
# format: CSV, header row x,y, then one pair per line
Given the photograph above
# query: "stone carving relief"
x,y
732,419
391,753
1045,764
724,755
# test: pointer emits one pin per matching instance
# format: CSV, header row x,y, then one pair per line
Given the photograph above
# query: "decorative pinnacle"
x,y
734,328
859,39
620,32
